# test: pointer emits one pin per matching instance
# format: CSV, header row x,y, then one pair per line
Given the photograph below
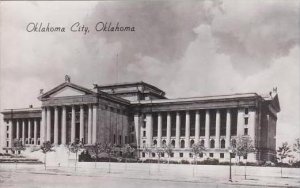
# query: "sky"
x,y
187,48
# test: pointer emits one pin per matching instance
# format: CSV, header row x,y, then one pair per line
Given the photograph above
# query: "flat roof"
x,y
22,110
203,98
129,84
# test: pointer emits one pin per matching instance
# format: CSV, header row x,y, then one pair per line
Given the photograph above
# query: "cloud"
x,y
255,33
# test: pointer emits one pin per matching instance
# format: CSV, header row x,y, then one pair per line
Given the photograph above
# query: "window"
x,y
201,155
245,131
143,154
153,154
182,143
245,157
222,155
7,128
180,154
191,155
7,144
211,154
192,143
155,142
173,143
164,142
120,139
114,138
246,110
202,142
233,143
162,154
126,140
223,143
212,144
246,120
172,155
7,135
144,133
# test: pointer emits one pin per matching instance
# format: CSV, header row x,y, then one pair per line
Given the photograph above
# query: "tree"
x,y
74,147
197,148
46,147
244,146
148,150
95,150
127,150
17,147
159,151
168,149
109,149
296,147
283,152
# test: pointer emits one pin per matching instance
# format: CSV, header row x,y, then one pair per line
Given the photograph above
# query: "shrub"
x,y
283,164
184,161
224,163
210,161
296,164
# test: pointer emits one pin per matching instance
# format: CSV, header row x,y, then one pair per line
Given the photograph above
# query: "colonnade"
x,y
60,122
148,139
26,130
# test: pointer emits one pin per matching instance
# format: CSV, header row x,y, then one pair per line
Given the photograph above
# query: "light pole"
x,y
230,152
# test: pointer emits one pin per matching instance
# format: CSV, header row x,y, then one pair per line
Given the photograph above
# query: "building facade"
x,y
141,115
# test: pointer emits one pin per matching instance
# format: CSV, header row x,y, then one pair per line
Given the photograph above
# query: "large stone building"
x,y
140,114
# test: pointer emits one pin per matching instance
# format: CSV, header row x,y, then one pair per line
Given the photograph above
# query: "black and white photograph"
x,y
158,93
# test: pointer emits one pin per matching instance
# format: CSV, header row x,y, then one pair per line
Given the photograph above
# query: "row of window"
x,y
182,143
211,155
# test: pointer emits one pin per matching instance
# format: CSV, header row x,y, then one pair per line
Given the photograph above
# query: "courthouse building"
x,y
141,115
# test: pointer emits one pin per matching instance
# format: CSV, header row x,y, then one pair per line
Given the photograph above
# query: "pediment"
x,y
67,92
66,89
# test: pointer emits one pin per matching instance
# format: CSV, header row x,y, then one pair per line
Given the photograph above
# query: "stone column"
x,y
137,129
81,134
187,130
159,129
240,122
168,141
149,127
23,132
207,121
64,125
10,123
18,130
177,137
94,132
43,125
35,132
55,125
251,125
218,119
90,125
197,126
73,124
29,130
228,128
48,137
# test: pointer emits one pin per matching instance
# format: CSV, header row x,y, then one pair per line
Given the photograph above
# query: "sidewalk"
x,y
207,174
